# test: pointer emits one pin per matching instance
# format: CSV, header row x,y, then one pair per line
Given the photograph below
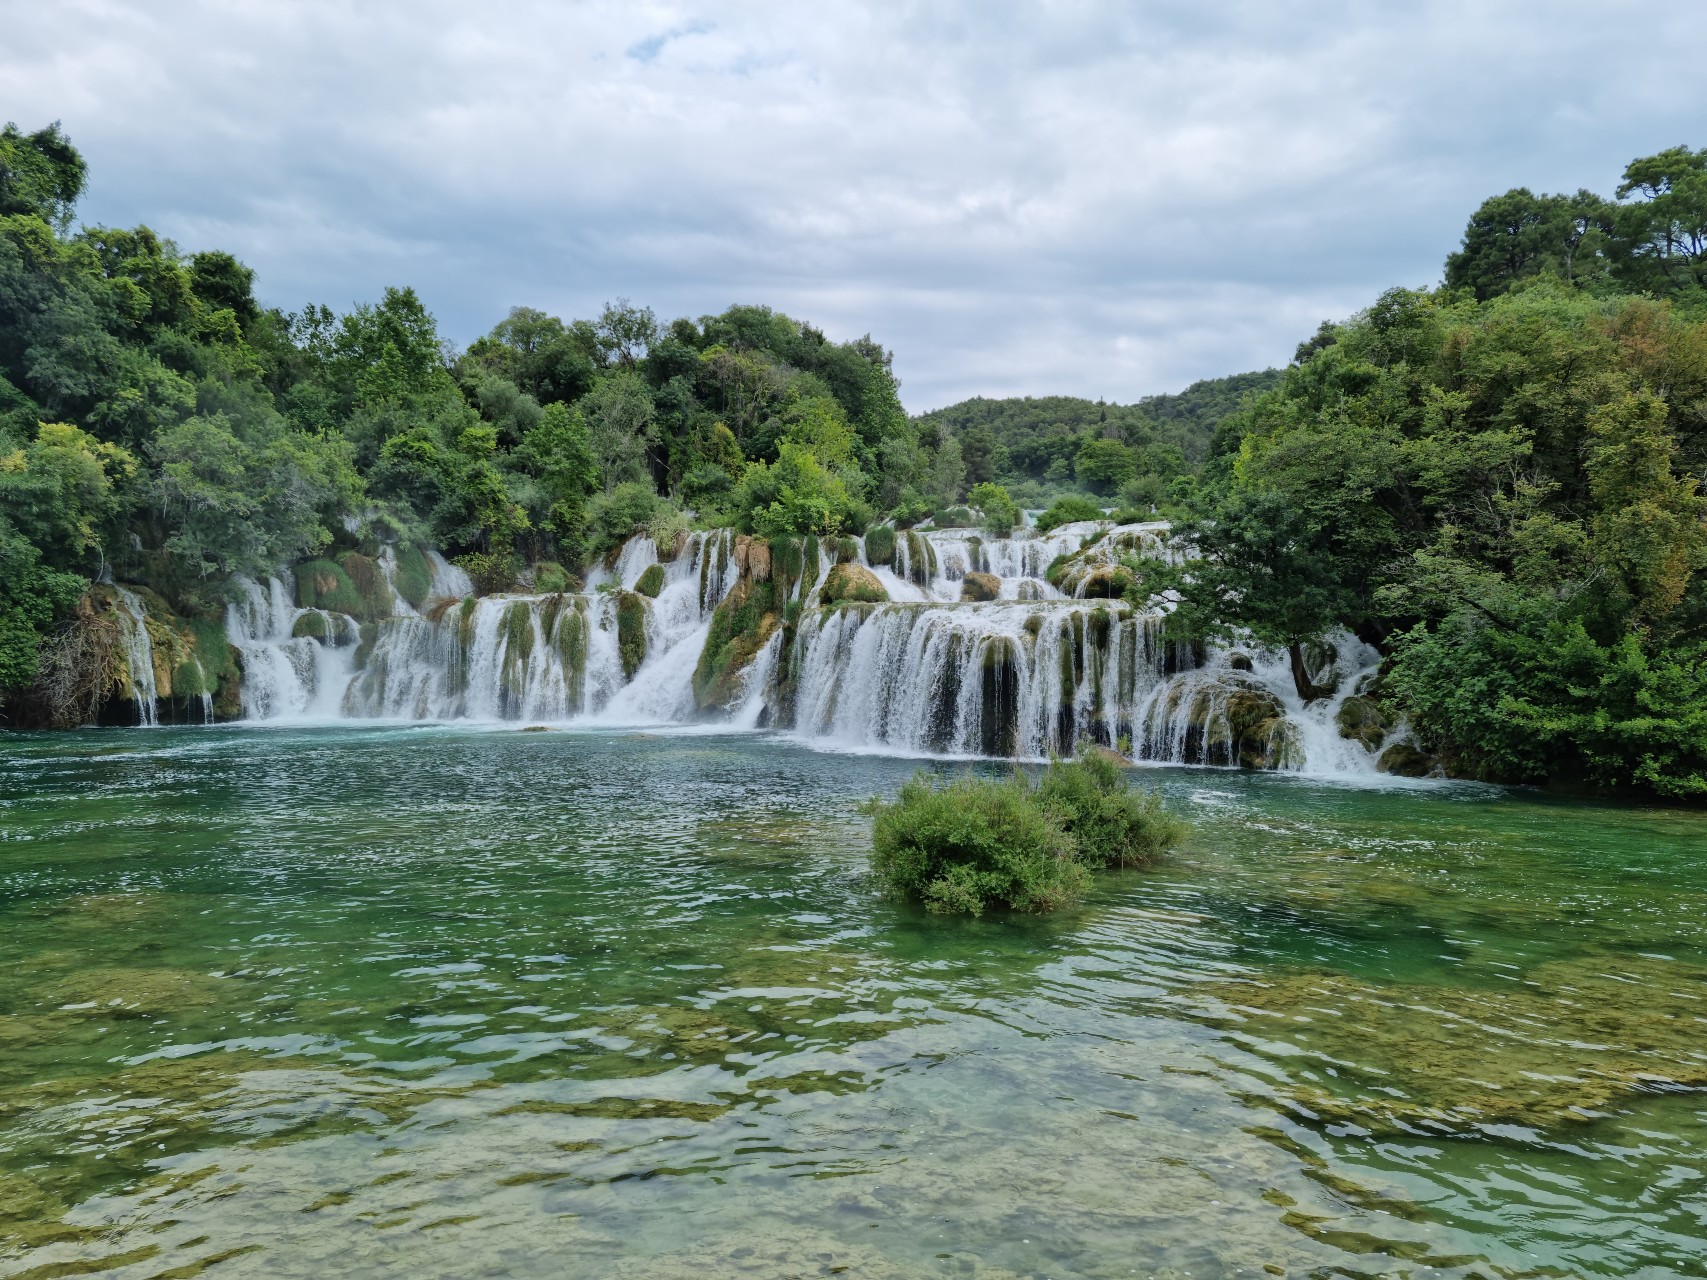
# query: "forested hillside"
x,y
1040,446
159,426
1499,482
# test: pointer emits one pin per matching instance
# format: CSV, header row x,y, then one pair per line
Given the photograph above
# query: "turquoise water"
x,y
434,1001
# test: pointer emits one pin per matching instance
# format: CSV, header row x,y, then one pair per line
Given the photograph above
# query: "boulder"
x,y
852,583
753,558
980,586
1406,760
651,582
1362,720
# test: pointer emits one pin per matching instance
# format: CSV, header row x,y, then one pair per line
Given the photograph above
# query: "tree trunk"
x,y
1308,691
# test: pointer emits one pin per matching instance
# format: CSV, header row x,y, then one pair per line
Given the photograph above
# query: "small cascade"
x,y
296,662
139,656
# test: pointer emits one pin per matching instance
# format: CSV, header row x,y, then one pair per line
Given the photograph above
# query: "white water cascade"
x,y
139,656
1037,671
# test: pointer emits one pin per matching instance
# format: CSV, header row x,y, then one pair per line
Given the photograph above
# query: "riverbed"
x,y
447,1001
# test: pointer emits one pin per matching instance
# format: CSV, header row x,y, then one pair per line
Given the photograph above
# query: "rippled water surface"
x,y
440,1002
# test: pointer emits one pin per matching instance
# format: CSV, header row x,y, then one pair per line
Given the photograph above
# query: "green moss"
x,y
321,584
312,625
852,583
651,582
739,629
569,634
414,575
518,647
364,574
787,560
631,631
846,549
880,544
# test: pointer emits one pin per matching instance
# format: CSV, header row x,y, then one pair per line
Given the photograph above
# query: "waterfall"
x,y
554,657
296,662
1031,680
139,656
1035,672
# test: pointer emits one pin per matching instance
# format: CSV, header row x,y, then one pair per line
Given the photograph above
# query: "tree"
x,y
41,173
1104,465
619,415
626,332
998,509
1664,235
558,452
1519,234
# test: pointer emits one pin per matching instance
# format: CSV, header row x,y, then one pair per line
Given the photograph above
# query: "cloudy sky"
x,y
1103,199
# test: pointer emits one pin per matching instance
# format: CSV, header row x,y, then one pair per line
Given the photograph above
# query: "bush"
x,y
999,510
621,513
551,578
1067,511
880,544
975,843
1112,825
492,572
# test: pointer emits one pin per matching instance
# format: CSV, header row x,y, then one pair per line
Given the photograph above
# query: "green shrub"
x,y
320,584
973,844
492,572
414,576
651,582
1112,825
976,843
1067,511
550,578
880,544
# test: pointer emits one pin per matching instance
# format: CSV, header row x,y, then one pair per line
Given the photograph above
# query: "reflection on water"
x,y
441,1002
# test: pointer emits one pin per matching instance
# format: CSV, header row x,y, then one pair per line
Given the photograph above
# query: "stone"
x,y
852,583
1362,720
1405,760
980,586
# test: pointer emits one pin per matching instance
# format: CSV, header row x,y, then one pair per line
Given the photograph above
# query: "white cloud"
x,y
1106,198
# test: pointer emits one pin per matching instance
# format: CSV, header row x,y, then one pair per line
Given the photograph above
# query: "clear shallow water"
x,y
442,1002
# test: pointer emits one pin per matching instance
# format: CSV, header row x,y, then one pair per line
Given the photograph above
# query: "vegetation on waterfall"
x,y
973,843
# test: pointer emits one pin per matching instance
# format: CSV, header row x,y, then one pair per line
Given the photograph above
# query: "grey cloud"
x,y
1103,198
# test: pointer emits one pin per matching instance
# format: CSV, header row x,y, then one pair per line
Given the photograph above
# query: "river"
x,y
434,1000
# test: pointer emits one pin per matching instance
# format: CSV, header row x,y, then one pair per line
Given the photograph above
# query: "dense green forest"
x,y
1497,481
1040,447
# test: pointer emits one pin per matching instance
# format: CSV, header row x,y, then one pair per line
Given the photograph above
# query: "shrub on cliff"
x,y
976,843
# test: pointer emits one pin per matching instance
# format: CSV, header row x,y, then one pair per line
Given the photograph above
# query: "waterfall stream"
x,y
1034,672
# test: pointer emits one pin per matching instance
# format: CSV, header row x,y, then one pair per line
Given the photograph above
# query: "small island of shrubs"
x,y
979,842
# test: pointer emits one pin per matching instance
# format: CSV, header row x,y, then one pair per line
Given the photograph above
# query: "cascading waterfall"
x,y
554,657
290,671
1033,673
139,656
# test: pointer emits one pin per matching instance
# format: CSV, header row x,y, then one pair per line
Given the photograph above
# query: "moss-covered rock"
x,y
311,624
651,582
1406,760
980,586
753,558
1104,582
1260,737
1362,720
740,627
847,549
321,584
413,577
852,583
880,544
369,582
631,611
